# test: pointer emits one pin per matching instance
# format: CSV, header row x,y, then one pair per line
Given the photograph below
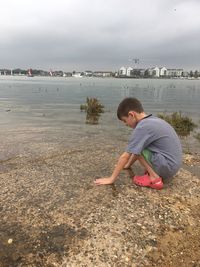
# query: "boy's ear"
x,y
131,113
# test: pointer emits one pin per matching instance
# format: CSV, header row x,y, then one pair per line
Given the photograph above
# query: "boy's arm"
x,y
124,158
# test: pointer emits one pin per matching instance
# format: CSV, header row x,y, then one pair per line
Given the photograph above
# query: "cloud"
x,y
99,33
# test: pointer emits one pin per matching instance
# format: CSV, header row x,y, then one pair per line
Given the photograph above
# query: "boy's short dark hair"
x,y
129,104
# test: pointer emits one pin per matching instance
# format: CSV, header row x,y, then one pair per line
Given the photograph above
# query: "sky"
x,y
99,34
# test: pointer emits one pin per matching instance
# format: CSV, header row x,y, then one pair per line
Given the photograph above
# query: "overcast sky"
x,y
99,34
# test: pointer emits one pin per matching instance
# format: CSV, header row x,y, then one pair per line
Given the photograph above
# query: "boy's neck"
x,y
140,116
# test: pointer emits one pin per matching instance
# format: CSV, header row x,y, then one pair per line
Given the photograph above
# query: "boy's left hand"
x,y
106,180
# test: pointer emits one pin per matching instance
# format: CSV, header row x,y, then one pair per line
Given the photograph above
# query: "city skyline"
x,y
80,35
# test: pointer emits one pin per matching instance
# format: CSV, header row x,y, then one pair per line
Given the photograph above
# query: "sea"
x,y
40,114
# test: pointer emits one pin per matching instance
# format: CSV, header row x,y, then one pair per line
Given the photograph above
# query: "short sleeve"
x,y
139,140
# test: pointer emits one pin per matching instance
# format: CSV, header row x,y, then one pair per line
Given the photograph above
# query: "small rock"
x,y
10,240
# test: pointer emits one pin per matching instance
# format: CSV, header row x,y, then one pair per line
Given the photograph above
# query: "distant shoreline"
x,y
4,77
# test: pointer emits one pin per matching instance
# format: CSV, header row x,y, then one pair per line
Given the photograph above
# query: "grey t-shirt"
x,y
161,139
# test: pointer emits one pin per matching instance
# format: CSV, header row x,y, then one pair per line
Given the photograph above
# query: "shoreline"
x,y
55,216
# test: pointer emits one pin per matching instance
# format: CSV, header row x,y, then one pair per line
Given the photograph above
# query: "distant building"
x,y
142,72
174,72
163,72
58,73
103,74
5,72
185,73
137,73
77,74
122,71
129,71
154,72
67,74
88,73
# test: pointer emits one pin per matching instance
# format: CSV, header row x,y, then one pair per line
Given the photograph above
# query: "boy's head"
x,y
127,105
129,111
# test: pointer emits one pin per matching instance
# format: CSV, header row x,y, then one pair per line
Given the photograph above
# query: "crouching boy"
x,y
154,143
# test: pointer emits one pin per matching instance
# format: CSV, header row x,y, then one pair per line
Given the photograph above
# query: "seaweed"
x,y
183,125
93,109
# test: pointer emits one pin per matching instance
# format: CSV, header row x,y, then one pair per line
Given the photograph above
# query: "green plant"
x,y
183,125
93,108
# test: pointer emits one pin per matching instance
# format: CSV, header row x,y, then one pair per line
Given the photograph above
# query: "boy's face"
x,y
130,120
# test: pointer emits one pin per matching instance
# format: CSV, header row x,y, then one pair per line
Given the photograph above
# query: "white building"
x,y
122,71
77,74
163,71
154,72
128,71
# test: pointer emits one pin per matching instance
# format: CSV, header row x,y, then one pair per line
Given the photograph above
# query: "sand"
x,y
52,214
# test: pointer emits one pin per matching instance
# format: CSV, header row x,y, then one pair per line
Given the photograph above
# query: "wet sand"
x,y
53,215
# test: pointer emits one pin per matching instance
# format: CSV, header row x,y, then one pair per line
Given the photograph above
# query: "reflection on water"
x,y
92,118
38,93
165,95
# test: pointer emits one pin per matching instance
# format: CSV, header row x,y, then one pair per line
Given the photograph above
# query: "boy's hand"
x,y
106,180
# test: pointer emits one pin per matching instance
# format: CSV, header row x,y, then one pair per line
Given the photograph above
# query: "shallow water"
x,y
42,113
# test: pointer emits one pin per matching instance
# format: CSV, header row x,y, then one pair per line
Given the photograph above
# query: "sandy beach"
x,y
53,215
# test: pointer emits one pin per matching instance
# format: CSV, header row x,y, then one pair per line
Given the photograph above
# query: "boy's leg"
x,y
132,159
151,179
148,167
146,157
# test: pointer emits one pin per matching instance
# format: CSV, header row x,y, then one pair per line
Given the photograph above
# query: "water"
x,y
46,111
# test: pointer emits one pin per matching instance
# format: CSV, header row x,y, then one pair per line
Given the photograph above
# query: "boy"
x,y
154,143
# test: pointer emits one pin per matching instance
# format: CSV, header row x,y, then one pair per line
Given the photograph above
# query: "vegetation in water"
x,y
183,125
93,109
